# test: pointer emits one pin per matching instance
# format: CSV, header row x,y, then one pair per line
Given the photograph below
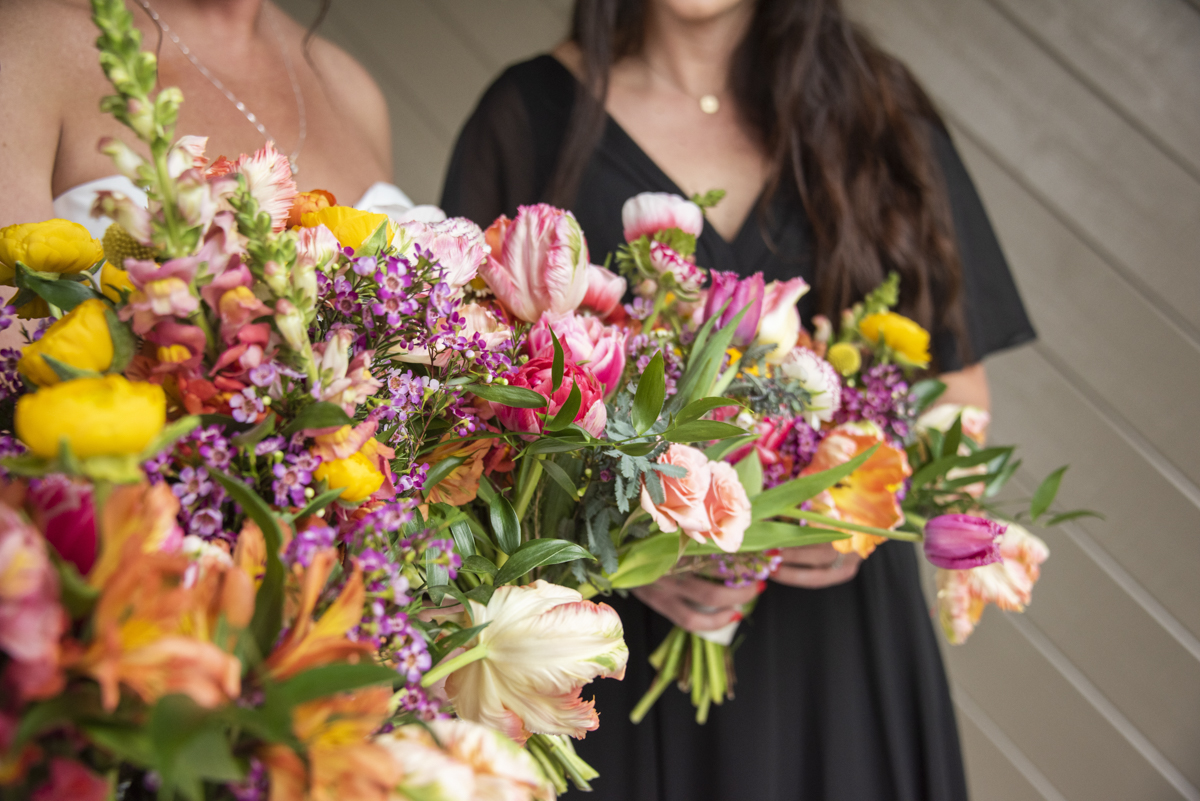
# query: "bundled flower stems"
x,y
296,497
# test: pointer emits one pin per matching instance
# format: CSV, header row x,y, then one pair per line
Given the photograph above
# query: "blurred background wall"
x,y
1080,121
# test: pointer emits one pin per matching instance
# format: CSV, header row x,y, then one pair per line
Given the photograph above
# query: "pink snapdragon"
x,y
538,262
650,212
585,340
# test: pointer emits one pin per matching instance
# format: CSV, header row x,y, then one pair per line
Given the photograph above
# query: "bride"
x,y
248,72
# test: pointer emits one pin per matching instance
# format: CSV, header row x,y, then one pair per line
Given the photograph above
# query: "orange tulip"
x,y
343,763
311,643
868,495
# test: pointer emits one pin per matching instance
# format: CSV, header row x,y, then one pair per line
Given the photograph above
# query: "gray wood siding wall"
x,y
1080,121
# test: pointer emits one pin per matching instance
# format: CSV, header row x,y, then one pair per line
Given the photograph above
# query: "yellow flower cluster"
x,y
351,226
899,333
107,416
53,246
80,339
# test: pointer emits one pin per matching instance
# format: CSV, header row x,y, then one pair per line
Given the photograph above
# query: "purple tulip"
x,y
742,293
961,542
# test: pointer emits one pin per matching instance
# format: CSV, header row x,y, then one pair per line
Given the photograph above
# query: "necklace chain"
x,y
250,116
709,103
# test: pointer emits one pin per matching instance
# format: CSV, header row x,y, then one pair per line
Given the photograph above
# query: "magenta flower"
x,y
961,542
742,293
535,374
63,510
585,340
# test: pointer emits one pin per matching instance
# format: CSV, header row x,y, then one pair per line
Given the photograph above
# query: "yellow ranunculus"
x,y
80,339
351,226
357,474
845,358
53,246
900,334
113,280
107,416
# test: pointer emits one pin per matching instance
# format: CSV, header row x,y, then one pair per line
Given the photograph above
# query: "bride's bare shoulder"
x,y
47,40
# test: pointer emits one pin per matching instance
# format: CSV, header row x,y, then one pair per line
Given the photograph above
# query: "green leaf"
x,y
67,372
248,439
459,638
339,677
767,534
702,406
651,392
556,368
42,716
172,433
702,431
123,341
750,473
320,502
795,492
441,470
464,539
375,243
559,476
719,450
568,411
128,743
481,594
268,603
1072,515
505,525
637,448
924,393
953,438
537,553
646,561
516,397
64,293
321,414
479,564
939,467
1044,496
77,595
555,445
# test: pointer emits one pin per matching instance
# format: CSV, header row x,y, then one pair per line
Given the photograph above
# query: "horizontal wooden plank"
x,y
504,32
1121,192
1084,757
1142,57
1151,529
1089,316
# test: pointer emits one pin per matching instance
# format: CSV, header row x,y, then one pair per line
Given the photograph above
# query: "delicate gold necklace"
x,y
251,117
709,103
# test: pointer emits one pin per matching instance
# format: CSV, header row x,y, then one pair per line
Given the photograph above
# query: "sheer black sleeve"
x,y
995,316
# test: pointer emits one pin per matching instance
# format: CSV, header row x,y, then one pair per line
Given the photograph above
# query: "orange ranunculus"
x,y
142,633
462,484
147,513
307,202
343,763
868,495
311,643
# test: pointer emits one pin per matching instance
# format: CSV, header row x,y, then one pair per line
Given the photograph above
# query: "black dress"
x,y
841,693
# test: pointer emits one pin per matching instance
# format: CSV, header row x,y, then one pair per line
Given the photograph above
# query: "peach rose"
x,y
684,504
728,508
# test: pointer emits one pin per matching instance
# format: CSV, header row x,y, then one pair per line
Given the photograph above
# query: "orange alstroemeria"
x,y
343,763
462,484
311,643
145,512
868,495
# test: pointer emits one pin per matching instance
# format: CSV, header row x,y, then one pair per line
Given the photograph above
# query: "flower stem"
x,y
679,639
448,666
834,523
531,479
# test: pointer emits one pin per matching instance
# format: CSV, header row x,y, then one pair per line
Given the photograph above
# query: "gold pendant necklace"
x,y
709,103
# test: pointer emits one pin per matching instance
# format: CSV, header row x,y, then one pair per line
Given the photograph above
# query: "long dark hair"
x,y
843,122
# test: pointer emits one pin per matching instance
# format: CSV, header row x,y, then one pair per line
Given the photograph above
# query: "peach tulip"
x,y
538,262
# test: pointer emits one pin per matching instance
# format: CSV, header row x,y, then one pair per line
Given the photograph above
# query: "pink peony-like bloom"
x,y
728,508
585,341
269,179
683,506
741,293
457,245
604,291
961,542
31,620
963,594
538,262
62,509
543,643
665,261
780,324
650,212
70,779
535,374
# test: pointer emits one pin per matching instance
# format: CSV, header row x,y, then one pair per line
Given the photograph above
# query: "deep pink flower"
x,y
538,262
742,293
62,509
69,779
650,212
585,341
31,620
961,542
535,374
605,290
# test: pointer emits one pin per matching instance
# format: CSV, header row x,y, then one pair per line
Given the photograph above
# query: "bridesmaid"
x,y
837,168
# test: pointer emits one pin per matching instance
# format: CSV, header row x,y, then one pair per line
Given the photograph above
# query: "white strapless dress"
x,y
76,203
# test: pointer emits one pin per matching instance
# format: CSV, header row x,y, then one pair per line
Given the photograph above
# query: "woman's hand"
x,y
813,567
694,603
